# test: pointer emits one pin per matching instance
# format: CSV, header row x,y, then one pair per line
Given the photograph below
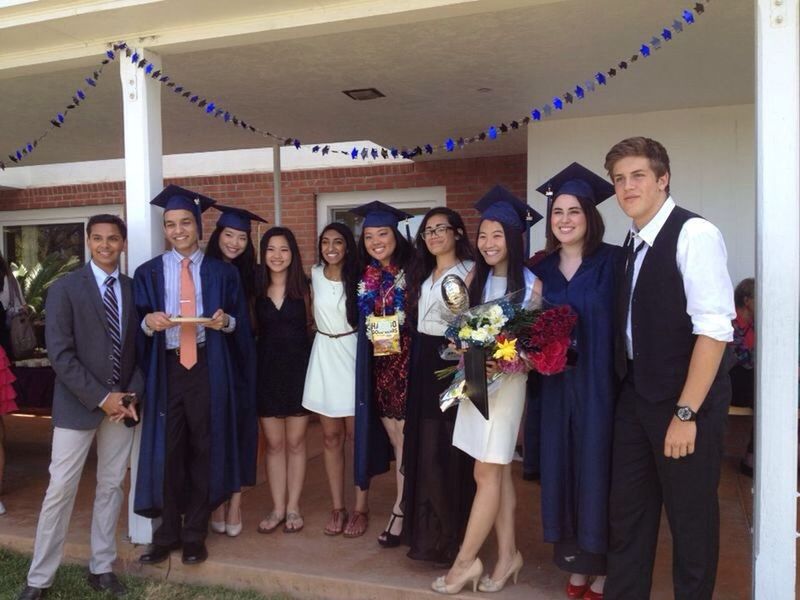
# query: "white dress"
x,y
493,440
433,315
330,388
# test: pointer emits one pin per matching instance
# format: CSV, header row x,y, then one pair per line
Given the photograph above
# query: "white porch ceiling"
x,y
286,74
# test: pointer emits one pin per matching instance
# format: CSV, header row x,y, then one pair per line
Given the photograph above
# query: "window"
x,y
416,201
28,237
31,244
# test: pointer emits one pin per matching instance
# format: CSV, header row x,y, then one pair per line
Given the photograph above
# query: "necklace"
x,y
332,283
382,291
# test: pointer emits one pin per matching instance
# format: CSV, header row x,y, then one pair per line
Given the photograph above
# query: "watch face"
x,y
684,413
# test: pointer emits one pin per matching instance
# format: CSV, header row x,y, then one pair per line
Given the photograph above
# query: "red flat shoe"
x,y
592,595
576,591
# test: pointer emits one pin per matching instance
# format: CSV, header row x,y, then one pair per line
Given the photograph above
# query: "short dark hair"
x,y
650,149
111,220
744,290
595,228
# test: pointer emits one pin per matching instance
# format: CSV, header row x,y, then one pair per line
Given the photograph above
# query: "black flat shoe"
x,y
106,582
32,593
158,553
388,539
194,553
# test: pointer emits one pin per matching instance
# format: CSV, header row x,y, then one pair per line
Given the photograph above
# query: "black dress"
x,y
439,485
283,351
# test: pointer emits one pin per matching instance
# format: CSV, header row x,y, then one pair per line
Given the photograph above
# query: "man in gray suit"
x,y
91,330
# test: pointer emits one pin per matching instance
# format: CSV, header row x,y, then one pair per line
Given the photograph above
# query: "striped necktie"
x,y
112,318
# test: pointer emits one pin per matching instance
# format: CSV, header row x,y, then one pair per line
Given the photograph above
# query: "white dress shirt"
x,y
703,262
433,316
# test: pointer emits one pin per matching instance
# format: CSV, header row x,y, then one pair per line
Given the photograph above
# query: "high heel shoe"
x,y
219,526
576,591
487,584
592,595
388,539
234,530
472,574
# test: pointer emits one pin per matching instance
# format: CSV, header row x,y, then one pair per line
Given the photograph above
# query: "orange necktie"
x,y
188,348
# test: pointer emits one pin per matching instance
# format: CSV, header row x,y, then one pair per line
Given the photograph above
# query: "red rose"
x,y
553,357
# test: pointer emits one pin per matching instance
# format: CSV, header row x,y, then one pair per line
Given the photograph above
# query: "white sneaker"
x,y
2,508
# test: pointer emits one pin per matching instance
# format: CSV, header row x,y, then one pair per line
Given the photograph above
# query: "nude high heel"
x,y
472,574
487,584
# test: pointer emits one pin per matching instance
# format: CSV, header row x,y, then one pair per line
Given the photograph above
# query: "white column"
x,y
141,99
777,297
276,180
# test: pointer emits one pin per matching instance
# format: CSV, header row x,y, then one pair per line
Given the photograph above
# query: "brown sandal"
x,y
357,524
337,522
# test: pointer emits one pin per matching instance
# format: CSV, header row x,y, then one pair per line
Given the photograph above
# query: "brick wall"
x,y
465,180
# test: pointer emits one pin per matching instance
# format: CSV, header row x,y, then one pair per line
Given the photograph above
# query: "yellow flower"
x,y
506,350
465,332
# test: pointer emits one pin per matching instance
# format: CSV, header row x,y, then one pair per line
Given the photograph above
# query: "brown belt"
x,y
337,335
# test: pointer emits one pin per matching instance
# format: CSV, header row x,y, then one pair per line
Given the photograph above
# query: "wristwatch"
x,y
684,413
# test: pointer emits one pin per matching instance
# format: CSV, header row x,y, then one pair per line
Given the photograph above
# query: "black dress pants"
x,y
188,448
642,479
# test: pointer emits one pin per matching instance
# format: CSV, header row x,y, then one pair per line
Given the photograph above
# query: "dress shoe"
x,y
218,526
32,593
592,595
106,582
194,553
472,574
487,584
158,553
576,591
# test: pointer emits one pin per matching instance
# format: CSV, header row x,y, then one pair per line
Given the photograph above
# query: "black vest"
x,y
660,327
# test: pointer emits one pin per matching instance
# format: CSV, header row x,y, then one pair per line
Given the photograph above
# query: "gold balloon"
x,y
455,294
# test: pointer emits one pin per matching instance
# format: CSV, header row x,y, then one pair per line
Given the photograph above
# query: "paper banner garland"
x,y
558,103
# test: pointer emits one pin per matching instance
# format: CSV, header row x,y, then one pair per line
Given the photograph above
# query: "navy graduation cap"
x,y
577,180
236,218
378,214
501,205
174,197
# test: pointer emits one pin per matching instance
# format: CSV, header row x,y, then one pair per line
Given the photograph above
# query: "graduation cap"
x,y
236,218
501,205
174,197
378,214
577,180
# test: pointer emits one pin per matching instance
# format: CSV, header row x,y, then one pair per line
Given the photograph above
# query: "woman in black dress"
x,y
282,312
439,486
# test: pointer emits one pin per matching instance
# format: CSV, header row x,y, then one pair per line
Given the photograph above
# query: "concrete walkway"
x,y
310,565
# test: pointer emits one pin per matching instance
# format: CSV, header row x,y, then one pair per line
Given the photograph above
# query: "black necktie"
x,y
629,267
112,317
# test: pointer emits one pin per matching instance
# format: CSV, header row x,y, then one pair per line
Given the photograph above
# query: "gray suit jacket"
x,y
79,347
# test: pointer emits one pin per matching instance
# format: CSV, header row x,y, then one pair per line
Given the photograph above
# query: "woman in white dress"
x,y
330,378
499,270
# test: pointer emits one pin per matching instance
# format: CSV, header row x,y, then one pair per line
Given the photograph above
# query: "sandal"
x,y
337,522
275,521
388,539
357,524
293,519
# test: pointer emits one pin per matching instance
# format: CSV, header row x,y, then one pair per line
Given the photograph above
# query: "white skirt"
x,y
330,388
492,441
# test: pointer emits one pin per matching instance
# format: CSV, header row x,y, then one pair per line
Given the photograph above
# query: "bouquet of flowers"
x,y
518,336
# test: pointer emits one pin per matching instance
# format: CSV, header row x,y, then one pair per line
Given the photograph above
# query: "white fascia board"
x,y
200,164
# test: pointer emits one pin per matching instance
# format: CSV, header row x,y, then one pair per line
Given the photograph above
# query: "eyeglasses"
x,y
437,231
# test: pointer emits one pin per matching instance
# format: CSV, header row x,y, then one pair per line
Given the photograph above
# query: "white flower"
x,y
362,288
400,280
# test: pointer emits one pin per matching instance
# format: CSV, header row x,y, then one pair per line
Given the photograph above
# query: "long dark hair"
x,y
595,228
401,256
5,272
245,262
516,266
296,282
424,262
351,268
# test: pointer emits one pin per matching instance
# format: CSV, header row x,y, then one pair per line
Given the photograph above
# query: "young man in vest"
x,y
674,309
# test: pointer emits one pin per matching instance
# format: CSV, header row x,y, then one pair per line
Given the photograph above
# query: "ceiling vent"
x,y
364,94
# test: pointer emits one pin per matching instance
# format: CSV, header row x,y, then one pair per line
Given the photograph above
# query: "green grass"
x,y
70,584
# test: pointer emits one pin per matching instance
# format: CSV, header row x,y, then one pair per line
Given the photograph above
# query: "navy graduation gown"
x,y
372,451
577,407
221,289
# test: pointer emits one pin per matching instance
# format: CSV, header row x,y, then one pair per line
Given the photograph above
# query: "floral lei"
x,y
382,291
